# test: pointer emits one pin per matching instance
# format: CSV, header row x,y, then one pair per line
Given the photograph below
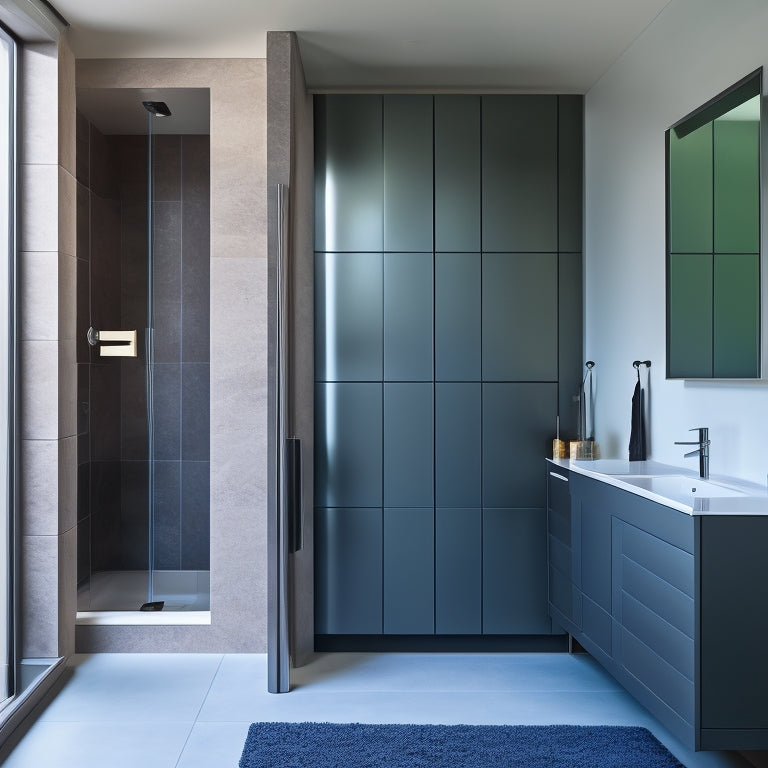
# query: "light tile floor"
x,y
193,711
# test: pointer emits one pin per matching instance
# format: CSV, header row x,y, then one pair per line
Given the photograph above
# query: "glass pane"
x,y
690,191
737,179
736,315
7,110
144,203
689,324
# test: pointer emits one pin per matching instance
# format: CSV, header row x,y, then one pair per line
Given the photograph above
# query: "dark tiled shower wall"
x,y
118,422
98,304
181,384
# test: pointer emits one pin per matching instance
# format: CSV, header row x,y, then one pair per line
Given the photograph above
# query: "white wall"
x,y
693,50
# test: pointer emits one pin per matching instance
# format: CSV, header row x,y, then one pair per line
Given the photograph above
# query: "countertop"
x,y
677,488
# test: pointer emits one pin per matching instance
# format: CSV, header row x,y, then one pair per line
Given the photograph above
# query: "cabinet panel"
x,y
596,624
349,290
458,445
517,432
673,688
669,563
667,642
458,571
595,553
559,504
408,316
408,445
348,571
561,593
407,173
560,556
734,624
348,445
690,316
668,602
570,166
520,317
515,572
519,173
457,173
737,315
457,316
690,191
409,568
349,182
570,345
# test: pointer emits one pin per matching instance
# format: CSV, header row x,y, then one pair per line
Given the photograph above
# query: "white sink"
x,y
681,488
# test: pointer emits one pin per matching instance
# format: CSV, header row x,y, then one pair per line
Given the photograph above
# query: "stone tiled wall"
x,y
48,375
238,363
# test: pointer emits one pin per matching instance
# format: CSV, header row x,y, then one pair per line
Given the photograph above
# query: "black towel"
x,y
637,450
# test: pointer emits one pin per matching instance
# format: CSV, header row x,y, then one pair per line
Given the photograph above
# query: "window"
x,y
7,355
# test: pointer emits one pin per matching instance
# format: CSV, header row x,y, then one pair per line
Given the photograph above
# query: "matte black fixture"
x,y
158,108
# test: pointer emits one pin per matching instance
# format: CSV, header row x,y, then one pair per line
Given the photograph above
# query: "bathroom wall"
x,y
693,50
238,364
48,382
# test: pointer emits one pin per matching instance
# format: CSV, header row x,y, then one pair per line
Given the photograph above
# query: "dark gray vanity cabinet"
x,y
671,604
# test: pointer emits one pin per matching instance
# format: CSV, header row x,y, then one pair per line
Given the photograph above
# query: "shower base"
x,y
127,591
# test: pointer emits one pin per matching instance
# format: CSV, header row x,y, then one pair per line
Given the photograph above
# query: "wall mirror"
x,y
713,237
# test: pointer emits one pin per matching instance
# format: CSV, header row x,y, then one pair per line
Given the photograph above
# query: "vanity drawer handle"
x,y
559,477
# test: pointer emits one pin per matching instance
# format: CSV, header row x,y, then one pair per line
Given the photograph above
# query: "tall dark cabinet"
x,y
447,341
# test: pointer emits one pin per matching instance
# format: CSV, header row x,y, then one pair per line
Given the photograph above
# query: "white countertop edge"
x,y
754,503
143,618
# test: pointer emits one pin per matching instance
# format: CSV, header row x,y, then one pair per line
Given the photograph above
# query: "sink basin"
x,y
680,488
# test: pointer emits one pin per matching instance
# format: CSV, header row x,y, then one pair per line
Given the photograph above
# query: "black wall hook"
x,y
636,365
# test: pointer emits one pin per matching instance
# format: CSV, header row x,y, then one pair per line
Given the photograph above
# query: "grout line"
x,y
200,709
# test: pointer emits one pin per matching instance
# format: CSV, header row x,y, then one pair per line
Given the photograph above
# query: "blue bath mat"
x,y
353,745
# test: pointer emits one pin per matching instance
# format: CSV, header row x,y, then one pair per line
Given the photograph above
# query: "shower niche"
x,y
143,258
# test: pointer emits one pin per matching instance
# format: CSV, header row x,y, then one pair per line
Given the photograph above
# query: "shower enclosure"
x,y
143,344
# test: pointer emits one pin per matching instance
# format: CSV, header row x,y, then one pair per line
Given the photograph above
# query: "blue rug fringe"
x,y
356,745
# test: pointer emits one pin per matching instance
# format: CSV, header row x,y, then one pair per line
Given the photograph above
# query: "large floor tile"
x,y
134,688
239,689
214,745
97,745
190,711
454,672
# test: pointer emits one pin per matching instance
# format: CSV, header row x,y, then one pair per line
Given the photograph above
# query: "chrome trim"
x,y
282,683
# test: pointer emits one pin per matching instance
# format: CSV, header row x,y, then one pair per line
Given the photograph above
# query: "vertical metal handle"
x,y
283,413
293,493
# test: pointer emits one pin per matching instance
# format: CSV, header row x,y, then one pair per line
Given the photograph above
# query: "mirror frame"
x,y
740,92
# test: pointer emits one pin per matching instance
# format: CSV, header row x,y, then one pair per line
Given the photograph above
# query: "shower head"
x,y
157,108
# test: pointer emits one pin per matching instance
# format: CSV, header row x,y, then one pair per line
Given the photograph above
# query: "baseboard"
x,y
442,643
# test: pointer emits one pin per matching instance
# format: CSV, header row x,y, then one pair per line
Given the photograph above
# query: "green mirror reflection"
x,y
713,237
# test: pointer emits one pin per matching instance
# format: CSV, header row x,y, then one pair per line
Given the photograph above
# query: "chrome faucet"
x,y
702,451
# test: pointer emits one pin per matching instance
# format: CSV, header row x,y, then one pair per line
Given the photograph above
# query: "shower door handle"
x,y
120,343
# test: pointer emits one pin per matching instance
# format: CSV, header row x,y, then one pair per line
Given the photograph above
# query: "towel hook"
x,y
637,363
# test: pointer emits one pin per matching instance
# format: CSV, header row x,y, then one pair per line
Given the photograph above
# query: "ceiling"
x,y
516,45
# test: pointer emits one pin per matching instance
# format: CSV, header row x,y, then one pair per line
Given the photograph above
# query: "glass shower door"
x,y
7,356
143,530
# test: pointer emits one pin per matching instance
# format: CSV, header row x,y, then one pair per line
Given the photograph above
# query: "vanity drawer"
x,y
596,624
674,689
560,556
671,564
